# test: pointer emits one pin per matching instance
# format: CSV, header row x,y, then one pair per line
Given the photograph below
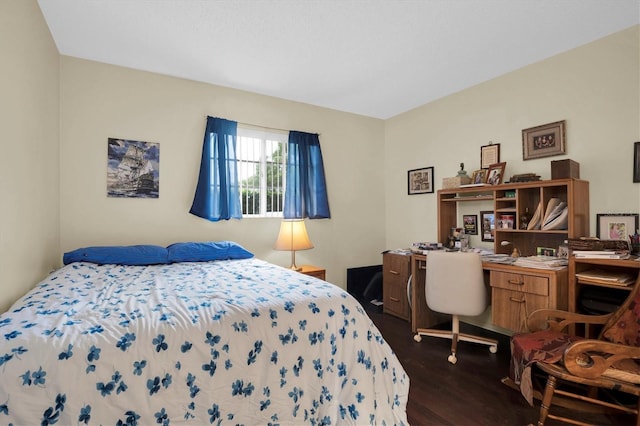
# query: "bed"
x,y
185,337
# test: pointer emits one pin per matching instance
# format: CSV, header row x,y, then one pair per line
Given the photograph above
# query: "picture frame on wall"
x,y
495,174
420,181
133,168
544,141
636,162
470,223
487,224
489,154
616,226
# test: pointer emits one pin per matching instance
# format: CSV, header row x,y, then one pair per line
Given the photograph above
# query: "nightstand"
x,y
313,271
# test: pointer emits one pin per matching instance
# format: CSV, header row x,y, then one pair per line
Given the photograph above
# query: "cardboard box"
x,y
455,182
562,169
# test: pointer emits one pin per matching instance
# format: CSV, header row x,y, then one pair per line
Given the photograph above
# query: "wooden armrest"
x,y
558,320
591,358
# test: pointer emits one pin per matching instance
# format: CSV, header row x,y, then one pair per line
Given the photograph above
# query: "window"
x,y
262,157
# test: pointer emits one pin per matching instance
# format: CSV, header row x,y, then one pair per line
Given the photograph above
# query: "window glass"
x,y
261,170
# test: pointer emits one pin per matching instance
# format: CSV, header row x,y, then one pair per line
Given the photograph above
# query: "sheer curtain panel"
x,y
217,194
306,188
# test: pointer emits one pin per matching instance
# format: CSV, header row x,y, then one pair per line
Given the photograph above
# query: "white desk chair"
x,y
455,286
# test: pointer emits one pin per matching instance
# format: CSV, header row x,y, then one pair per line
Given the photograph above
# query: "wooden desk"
x,y
515,292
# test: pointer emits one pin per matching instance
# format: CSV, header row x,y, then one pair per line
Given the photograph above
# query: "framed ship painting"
x,y
133,169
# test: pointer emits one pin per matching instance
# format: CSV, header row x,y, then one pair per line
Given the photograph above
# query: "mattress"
x,y
221,342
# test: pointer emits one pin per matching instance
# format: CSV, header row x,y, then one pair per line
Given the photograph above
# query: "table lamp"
x,y
293,236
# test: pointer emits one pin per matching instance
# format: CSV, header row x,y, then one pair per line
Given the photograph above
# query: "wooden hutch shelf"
x,y
522,197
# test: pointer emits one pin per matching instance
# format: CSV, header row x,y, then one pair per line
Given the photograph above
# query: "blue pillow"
x,y
119,255
207,251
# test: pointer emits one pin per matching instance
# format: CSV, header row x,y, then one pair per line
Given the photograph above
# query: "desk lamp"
x,y
293,236
515,252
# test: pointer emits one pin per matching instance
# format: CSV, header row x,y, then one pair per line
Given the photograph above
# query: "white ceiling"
x,y
377,58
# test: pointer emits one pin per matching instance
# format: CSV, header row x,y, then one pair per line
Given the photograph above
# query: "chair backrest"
x,y
624,325
455,283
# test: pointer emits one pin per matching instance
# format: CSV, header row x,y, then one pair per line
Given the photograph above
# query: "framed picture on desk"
x,y
487,220
495,174
617,226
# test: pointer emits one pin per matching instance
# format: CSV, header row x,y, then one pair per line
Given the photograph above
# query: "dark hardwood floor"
x,y
467,393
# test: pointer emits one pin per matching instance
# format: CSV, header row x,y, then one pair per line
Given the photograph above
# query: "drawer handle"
x,y
513,299
515,282
394,272
393,299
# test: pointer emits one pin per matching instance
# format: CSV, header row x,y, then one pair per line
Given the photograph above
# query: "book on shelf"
x,y
601,276
601,254
556,215
534,223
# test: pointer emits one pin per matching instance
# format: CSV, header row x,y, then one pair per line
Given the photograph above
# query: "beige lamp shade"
x,y
293,236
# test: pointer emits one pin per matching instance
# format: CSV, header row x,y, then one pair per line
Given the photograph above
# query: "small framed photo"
x,y
616,226
420,181
489,154
495,173
563,251
479,176
545,251
636,161
470,222
543,141
487,221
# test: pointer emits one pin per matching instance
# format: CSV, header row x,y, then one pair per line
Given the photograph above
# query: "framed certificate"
x,y
489,154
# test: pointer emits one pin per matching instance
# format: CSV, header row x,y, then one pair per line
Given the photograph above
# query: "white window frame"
x,y
264,136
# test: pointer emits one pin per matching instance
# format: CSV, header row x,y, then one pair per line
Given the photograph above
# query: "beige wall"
x,y
29,216
595,88
59,111
99,101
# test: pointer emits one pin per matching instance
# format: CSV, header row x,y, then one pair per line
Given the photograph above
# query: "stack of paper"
x,y
556,216
601,254
541,262
599,276
498,258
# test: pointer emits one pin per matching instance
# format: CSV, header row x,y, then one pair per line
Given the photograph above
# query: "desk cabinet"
x,y
516,292
576,285
395,275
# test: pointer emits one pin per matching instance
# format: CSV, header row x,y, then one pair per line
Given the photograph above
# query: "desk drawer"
x,y
395,267
520,282
510,309
395,274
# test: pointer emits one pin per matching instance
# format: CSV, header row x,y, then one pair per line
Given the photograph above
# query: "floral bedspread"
x,y
224,342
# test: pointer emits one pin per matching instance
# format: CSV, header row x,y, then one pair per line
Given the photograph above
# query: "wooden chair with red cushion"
x,y
611,361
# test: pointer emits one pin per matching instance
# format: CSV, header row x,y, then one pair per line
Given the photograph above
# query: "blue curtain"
x,y
218,192
306,194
